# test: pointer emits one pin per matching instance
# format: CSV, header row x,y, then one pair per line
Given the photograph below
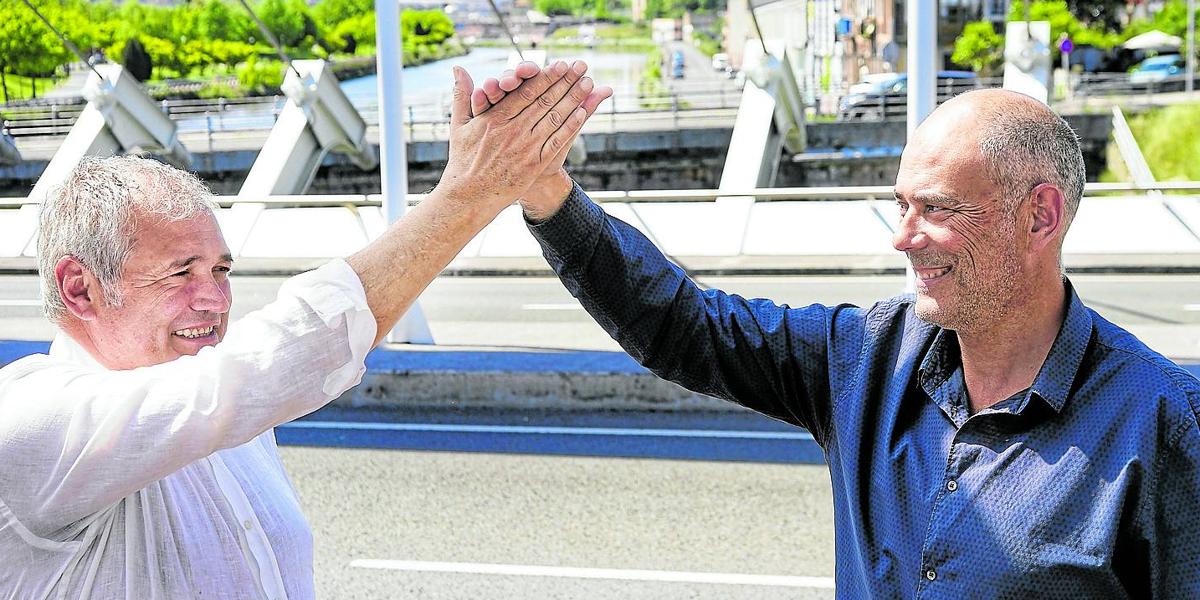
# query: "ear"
x,y
77,287
1048,208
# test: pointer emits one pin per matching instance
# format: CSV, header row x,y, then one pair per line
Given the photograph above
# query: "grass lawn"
x,y
1170,140
21,87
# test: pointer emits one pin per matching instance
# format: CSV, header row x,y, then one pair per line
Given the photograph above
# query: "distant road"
x,y
1163,310
445,525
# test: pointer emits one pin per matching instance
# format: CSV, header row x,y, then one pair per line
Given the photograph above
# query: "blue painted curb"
x,y
465,361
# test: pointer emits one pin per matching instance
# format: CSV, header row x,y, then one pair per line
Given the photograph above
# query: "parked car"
x,y
1157,68
720,61
888,97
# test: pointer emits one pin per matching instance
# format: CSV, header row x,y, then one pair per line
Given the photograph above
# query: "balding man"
x,y
989,437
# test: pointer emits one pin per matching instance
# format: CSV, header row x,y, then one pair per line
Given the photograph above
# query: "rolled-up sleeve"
x,y
75,439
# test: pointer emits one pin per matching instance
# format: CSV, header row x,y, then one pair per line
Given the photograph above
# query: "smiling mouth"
x,y
196,332
927,274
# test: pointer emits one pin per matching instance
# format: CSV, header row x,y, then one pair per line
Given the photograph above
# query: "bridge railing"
x,y
259,113
793,194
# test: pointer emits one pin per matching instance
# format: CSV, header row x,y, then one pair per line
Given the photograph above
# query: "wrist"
x,y
546,196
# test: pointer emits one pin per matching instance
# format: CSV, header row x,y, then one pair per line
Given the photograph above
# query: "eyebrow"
x,y
187,262
940,199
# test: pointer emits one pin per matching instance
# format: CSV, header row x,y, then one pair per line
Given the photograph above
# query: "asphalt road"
x,y
1164,310
404,524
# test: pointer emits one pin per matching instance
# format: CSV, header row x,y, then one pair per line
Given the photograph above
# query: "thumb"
x,y
460,106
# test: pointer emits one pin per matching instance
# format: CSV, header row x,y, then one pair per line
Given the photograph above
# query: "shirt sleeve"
x,y
1174,537
787,363
73,439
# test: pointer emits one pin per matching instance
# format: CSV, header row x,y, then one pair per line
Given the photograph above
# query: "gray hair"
x,y
93,217
1024,144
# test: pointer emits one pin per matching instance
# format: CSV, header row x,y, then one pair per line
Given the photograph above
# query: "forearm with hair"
x,y
397,267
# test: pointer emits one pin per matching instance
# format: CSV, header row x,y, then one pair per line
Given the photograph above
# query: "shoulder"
x,y
1130,370
896,318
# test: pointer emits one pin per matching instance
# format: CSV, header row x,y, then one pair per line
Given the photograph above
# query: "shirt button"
x,y
247,524
931,574
952,485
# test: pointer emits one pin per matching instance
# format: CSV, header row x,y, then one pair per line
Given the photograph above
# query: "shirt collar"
x,y
1057,375
66,349
1055,378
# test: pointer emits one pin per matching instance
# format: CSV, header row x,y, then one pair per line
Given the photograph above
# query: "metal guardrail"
x,y
809,194
1122,84
259,113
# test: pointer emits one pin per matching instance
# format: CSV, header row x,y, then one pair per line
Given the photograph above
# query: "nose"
x,y
212,295
909,235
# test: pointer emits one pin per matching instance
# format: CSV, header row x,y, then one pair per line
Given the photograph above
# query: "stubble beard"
x,y
981,296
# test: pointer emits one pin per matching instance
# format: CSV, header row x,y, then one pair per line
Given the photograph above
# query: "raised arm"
x,y
494,158
73,440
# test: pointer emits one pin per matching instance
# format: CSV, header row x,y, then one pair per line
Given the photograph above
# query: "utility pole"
x,y
393,159
1191,46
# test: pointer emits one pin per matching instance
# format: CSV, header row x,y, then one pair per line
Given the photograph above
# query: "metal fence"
x,y
800,194
259,113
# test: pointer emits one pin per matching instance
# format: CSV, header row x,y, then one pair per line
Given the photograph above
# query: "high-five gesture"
x,y
496,156
552,184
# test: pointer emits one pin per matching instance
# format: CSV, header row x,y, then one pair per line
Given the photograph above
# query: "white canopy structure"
x,y
1153,40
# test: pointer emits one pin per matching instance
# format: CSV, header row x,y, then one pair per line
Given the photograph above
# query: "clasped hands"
x,y
509,137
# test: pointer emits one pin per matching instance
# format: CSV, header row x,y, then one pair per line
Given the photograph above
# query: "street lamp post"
x,y
922,75
1191,46
393,159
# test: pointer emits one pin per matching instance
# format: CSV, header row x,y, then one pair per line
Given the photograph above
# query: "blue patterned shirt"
x,y
1084,485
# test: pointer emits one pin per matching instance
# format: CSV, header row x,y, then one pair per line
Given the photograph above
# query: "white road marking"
x,y
1191,307
19,302
530,430
792,581
552,306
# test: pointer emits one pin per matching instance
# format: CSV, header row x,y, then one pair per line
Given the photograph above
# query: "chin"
x,y
930,311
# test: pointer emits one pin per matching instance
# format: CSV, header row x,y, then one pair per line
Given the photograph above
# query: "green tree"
x,y
1172,19
980,48
285,19
217,20
27,47
1061,20
330,13
558,7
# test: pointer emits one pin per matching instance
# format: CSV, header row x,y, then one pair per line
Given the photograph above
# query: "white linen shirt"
x,y
164,482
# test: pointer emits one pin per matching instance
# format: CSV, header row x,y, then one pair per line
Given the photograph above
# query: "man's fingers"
x,y
529,91
554,151
594,99
509,80
589,106
546,104
557,115
491,88
479,102
460,105
527,69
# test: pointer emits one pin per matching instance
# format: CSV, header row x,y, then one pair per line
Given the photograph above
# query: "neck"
x,y
1005,357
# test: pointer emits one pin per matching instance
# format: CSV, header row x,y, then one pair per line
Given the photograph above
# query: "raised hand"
x,y
496,156
553,184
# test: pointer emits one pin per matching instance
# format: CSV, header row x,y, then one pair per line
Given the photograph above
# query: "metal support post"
x,y
1191,46
922,75
393,160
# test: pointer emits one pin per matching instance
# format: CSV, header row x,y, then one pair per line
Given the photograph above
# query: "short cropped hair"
x,y
93,216
1025,144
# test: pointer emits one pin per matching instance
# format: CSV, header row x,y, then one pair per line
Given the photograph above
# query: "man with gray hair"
x,y
137,460
991,437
